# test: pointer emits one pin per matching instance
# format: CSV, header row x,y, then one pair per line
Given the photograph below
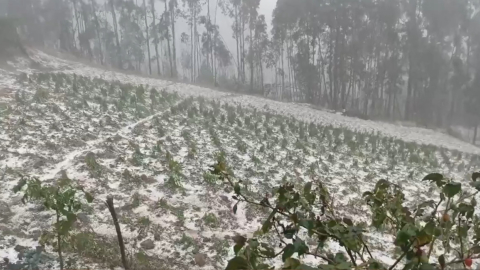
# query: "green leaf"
x,y
340,257
435,177
307,224
475,176
237,263
441,261
463,208
375,265
367,194
71,217
344,266
267,225
237,248
429,228
405,234
452,189
348,221
475,250
427,266
239,240
382,184
288,252
289,233
267,251
21,183
476,185
236,188
88,197
64,227
291,263
235,208
300,246
307,188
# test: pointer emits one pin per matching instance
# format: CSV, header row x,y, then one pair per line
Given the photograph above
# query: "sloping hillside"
x,y
150,144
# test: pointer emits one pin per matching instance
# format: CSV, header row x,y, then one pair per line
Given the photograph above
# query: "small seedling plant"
x,y
63,199
435,234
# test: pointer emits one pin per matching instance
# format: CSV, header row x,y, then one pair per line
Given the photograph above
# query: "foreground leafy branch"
x,y
447,227
62,199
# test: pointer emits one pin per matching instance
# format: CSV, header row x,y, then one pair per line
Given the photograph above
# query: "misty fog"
x,y
239,134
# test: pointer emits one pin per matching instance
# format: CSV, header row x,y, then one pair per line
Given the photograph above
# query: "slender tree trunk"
x,y
330,69
251,60
474,140
244,70
209,37
76,19
195,34
261,72
237,38
215,38
97,31
115,28
283,70
167,14
148,39
152,3
87,41
174,56
412,41
192,52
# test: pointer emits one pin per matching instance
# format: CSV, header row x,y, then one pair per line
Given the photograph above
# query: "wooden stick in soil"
x,y
111,208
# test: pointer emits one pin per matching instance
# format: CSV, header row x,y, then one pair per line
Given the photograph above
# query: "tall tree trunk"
x,y
475,133
283,70
192,52
242,43
148,39
412,42
76,19
261,71
215,39
167,14
237,39
115,28
251,60
195,34
174,55
97,31
330,68
87,42
152,3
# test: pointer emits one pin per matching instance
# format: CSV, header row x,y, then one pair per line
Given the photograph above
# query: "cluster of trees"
x,y
413,60
127,34
408,59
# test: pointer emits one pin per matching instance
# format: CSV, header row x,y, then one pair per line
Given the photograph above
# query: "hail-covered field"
x,y
150,144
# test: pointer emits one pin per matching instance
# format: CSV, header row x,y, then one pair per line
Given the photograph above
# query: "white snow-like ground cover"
x,y
300,112
153,156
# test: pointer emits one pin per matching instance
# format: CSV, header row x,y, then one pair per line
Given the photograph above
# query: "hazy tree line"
x,y
415,60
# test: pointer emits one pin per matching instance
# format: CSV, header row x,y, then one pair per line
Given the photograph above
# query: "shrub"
x,y
447,227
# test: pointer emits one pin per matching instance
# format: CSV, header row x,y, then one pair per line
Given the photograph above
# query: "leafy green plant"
x,y
62,199
211,220
447,228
